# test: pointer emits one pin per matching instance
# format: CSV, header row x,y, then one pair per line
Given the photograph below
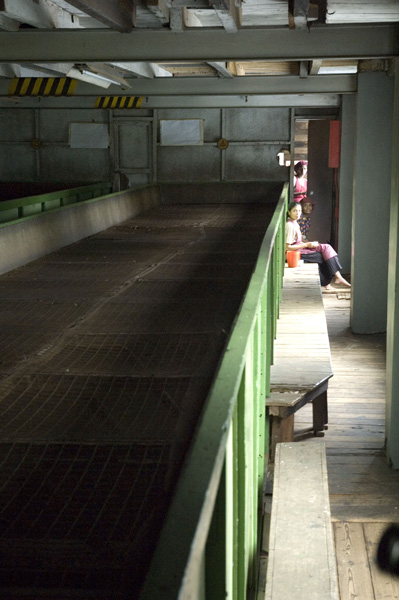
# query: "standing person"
x,y
313,252
300,181
304,220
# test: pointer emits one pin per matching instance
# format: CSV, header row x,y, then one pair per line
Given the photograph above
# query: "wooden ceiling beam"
x,y
116,14
229,14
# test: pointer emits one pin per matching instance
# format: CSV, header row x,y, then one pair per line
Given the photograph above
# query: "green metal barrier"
x,y
12,211
209,546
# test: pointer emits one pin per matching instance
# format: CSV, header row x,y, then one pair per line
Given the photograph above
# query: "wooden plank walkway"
x,y
302,363
301,557
364,491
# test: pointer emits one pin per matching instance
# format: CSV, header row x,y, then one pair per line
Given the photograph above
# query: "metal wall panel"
x,y
72,165
188,163
241,161
258,124
254,163
17,162
135,156
210,116
134,140
16,125
54,124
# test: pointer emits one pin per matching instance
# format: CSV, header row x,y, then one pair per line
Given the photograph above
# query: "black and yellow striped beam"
x,y
119,101
42,86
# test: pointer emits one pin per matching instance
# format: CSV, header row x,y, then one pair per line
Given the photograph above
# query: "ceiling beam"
x,y
221,68
315,66
113,13
153,102
228,13
37,14
322,41
144,70
336,84
301,8
214,86
8,24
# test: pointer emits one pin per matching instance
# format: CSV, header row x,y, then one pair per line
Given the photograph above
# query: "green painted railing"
x,y
209,546
12,211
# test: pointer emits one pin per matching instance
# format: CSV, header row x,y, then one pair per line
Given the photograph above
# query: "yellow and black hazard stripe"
x,y
118,101
42,86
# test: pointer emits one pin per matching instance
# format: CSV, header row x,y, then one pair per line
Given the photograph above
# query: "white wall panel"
x,y
211,118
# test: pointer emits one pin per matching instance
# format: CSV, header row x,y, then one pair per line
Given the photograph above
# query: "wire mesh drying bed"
x,y
109,348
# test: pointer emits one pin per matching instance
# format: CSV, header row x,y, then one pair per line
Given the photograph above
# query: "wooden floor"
x,y
364,491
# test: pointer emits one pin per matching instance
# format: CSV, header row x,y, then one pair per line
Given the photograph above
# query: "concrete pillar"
x,y
348,135
392,379
371,202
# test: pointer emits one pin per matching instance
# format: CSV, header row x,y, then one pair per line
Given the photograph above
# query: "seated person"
x,y
313,252
304,220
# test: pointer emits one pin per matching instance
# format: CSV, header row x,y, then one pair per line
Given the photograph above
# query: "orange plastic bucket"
x,y
293,257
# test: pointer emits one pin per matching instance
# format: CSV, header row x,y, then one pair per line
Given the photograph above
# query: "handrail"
x,y
15,210
230,440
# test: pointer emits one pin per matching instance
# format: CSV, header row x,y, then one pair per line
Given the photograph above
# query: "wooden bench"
x,y
302,362
301,555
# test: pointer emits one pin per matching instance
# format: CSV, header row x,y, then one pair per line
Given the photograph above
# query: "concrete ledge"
x,y
32,238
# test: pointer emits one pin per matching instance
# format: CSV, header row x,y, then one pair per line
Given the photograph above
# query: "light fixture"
x,y
98,75
101,77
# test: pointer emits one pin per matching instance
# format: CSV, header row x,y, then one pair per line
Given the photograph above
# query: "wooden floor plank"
x,y
363,489
354,573
385,585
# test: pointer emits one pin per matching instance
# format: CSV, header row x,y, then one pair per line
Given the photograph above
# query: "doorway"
x,y
312,144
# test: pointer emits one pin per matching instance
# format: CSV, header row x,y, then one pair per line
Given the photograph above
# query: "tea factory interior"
x,y
147,150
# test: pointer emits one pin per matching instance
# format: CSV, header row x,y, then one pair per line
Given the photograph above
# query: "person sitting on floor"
x,y
313,252
304,220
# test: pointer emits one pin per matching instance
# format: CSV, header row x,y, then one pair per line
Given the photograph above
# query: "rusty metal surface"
x,y
109,347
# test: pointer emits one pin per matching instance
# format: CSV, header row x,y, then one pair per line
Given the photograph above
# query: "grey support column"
x,y
348,136
392,380
371,202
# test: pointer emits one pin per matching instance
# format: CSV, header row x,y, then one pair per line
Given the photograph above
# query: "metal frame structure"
x,y
13,211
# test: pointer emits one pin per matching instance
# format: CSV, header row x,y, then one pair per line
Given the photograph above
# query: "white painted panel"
x,y
210,117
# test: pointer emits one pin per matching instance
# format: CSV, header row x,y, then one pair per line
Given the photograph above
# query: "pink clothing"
x,y
301,186
293,236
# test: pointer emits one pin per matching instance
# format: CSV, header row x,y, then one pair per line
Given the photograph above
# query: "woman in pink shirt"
x,y
300,181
